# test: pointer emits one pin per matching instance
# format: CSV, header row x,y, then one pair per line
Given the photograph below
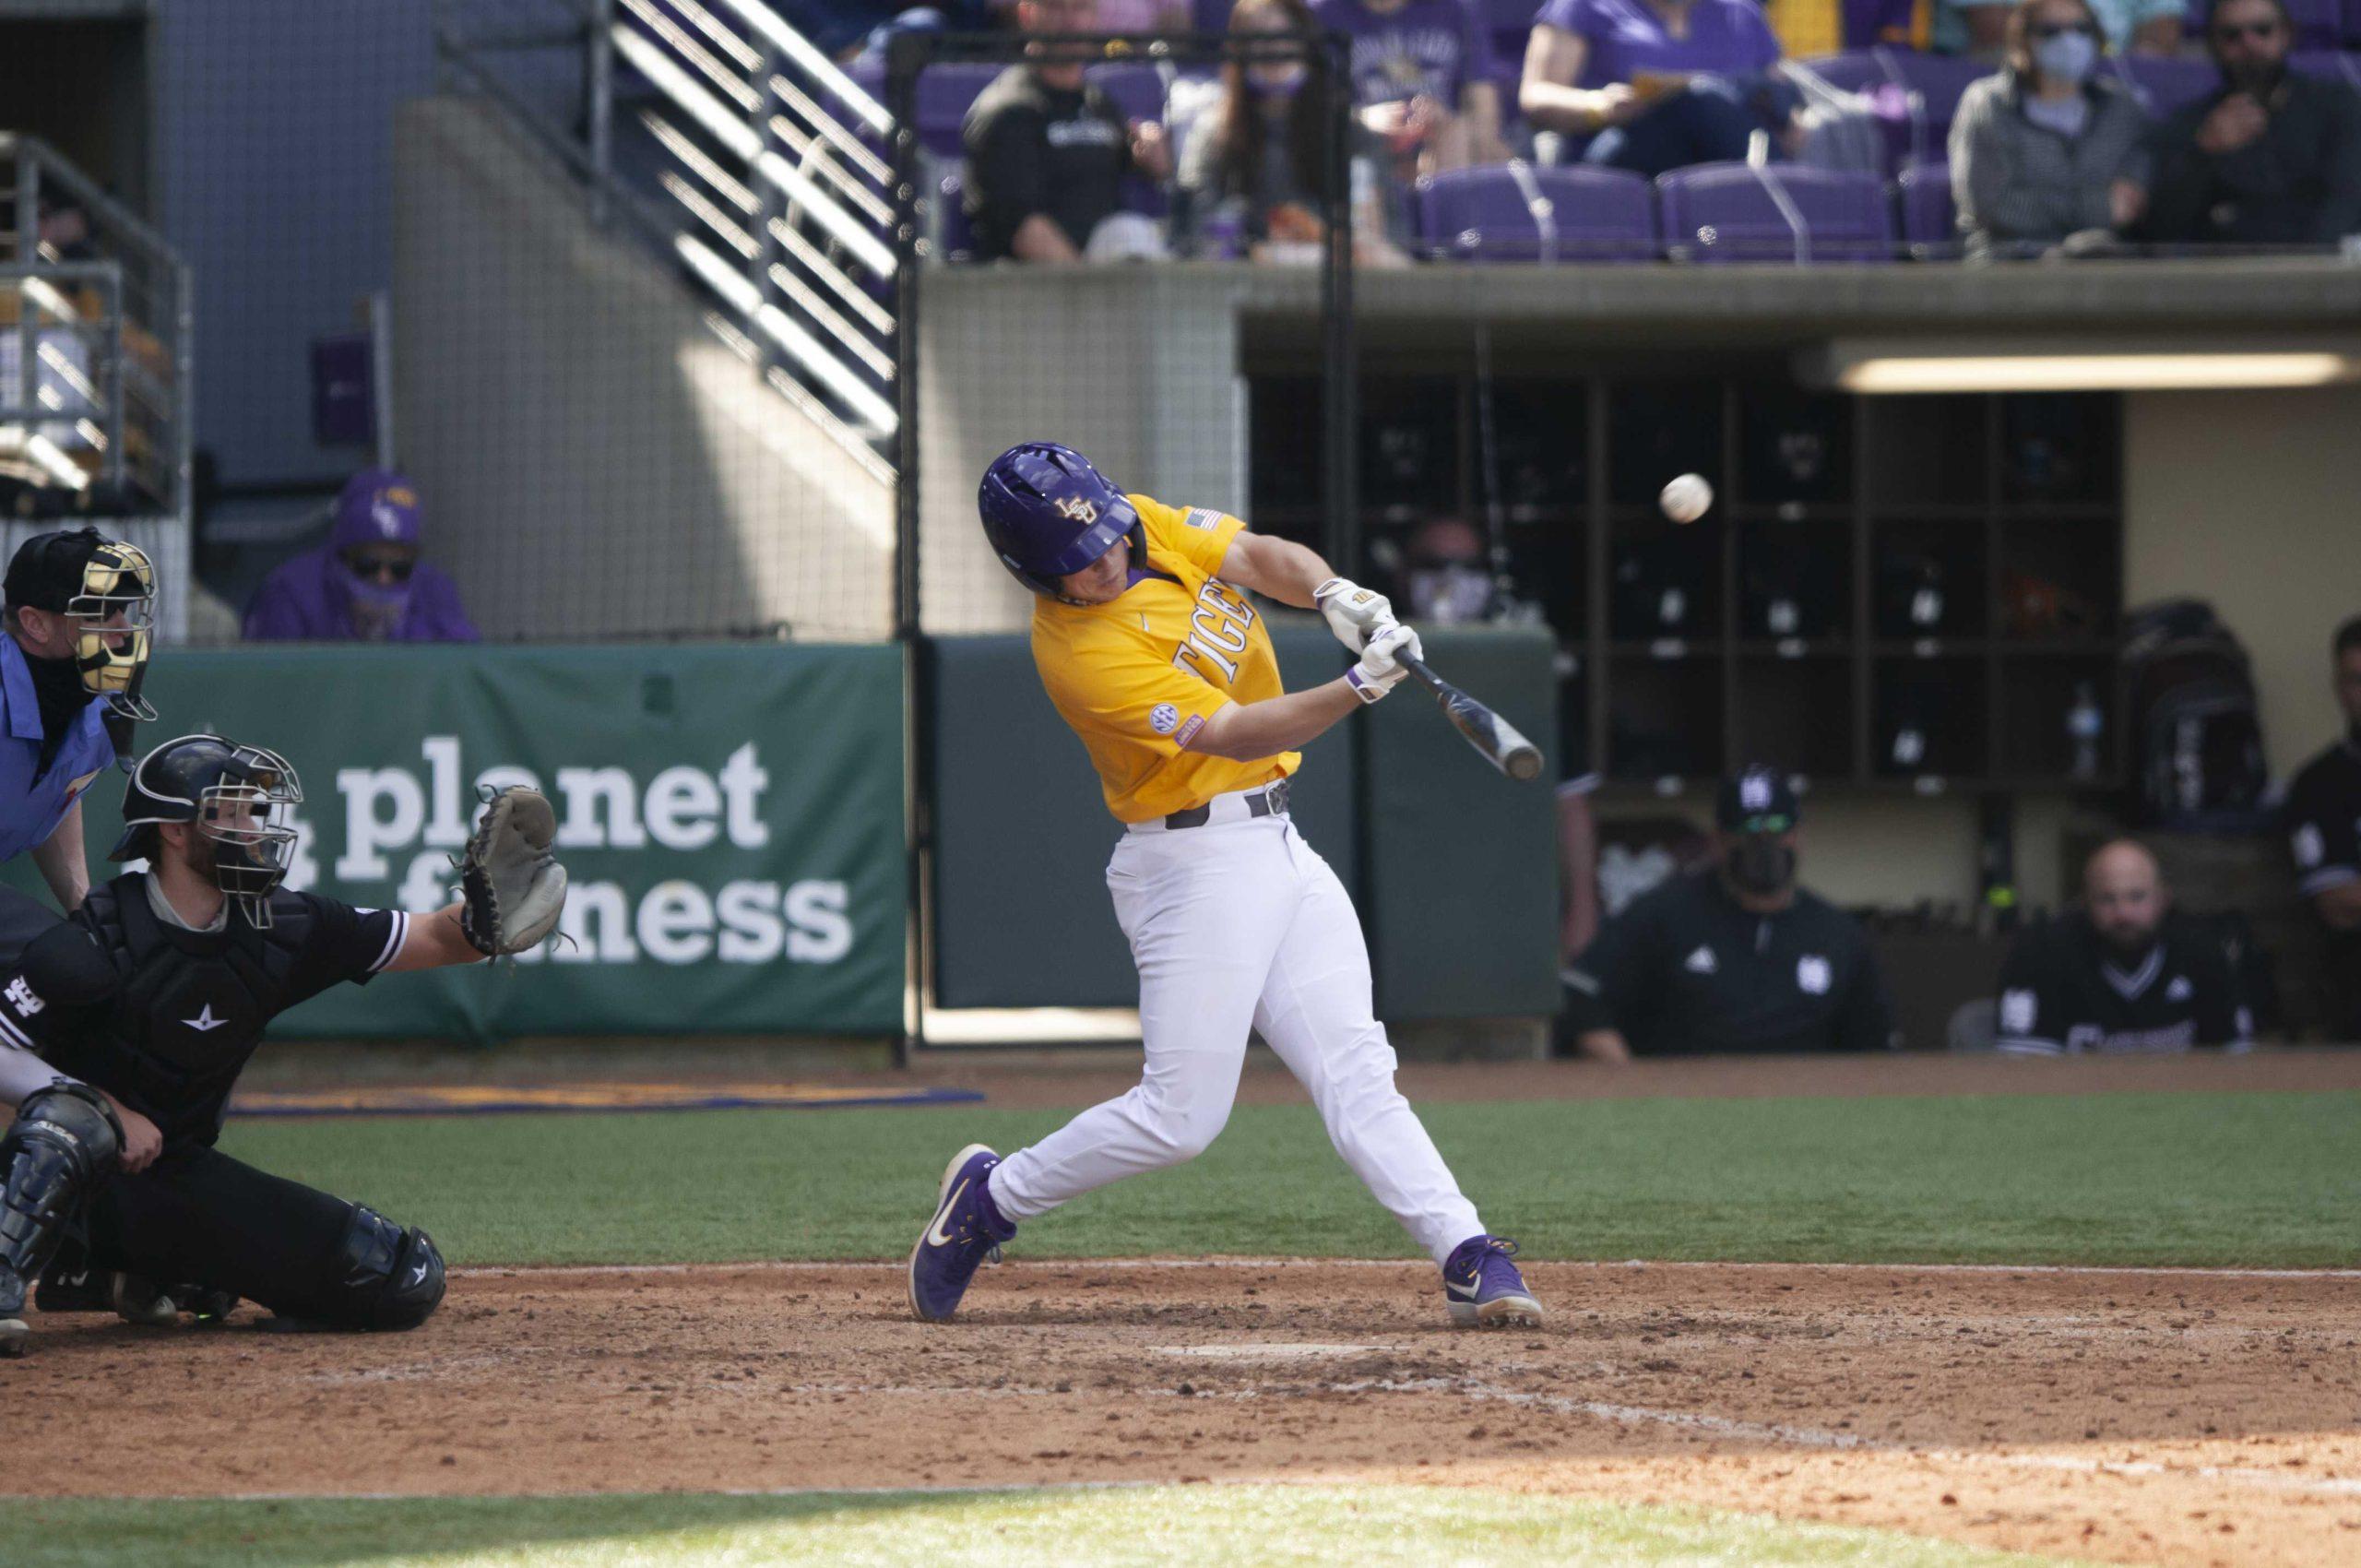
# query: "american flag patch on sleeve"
x,y
1203,518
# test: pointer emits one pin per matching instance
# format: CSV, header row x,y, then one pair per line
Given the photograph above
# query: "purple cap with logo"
x,y
375,506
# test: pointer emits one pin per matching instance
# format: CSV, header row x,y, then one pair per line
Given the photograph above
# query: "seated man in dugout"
x,y
1734,958
2119,974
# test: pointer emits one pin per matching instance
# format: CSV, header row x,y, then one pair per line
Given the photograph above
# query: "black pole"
x,y
908,55
1331,67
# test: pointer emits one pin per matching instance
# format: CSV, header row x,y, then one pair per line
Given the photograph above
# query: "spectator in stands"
x,y
2120,974
1255,160
2046,149
2271,156
1047,151
1980,27
1735,959
1653,85
1421,79
2324,830
366,583
1144,16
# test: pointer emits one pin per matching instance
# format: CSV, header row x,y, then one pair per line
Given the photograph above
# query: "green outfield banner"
x,y
731,818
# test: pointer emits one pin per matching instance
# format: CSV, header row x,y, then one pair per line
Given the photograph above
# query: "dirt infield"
x,y
2129,1416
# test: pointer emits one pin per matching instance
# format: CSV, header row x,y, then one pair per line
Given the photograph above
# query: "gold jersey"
x,y
1139,676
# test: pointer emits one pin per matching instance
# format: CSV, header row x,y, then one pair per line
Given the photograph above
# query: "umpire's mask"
x,y
115,625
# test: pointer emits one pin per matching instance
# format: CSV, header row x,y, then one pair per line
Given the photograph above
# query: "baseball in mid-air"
x,y
1685,499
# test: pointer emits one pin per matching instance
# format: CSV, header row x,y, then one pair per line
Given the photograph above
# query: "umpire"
x,y
125,1026
1735,959
80,610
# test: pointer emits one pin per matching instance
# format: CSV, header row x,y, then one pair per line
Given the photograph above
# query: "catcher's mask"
x,y
241,798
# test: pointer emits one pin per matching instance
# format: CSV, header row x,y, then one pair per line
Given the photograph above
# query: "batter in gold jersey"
x,y
1151,643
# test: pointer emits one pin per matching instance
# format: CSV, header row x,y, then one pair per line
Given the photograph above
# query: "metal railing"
x,y
95,345
753,161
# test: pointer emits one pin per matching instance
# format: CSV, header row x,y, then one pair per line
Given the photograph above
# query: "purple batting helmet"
x,y
1049,514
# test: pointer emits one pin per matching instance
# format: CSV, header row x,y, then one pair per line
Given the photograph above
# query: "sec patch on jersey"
x,y
1164,719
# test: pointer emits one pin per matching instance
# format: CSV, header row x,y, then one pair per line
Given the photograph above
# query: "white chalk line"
x,y
804,1265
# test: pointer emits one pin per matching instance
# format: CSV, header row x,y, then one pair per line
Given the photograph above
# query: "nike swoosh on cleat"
x,y
1467,1291
935,1234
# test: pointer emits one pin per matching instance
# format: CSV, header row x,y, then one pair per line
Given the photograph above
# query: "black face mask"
x,y
57,686
1760,865
2260,79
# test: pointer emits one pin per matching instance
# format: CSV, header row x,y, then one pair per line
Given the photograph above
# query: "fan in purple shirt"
x,y
1652,85
366,583
1421,78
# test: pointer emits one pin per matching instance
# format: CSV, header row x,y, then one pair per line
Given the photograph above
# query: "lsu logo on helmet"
x,y
1078,509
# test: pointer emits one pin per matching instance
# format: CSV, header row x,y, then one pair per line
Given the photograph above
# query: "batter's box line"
x,y
813,1266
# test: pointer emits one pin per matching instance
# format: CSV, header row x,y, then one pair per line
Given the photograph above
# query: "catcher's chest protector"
x,y
191,1009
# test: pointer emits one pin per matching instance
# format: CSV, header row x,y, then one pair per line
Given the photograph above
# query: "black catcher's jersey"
x,y
1684,969
164,1018
2063,991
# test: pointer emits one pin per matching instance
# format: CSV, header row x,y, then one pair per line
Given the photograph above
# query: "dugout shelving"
x,y
1905,593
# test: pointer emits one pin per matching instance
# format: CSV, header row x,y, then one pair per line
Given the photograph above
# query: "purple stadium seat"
x,y
2319,23
954,238
2163,83
1720,212
943,93
1929,218
2328,65
1915,96
1527,214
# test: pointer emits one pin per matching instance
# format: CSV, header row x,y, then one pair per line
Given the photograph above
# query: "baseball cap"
x,y
48,568
375,507
1756,799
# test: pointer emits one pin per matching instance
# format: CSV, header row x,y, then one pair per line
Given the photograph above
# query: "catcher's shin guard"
x,y
64,1139
388,1276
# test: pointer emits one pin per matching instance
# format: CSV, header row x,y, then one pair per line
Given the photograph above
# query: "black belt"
x,y
1269,802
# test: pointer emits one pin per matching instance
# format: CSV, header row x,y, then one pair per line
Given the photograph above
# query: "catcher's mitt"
x,y
510,884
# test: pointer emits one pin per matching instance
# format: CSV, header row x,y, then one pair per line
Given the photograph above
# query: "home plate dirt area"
x,y
2193,1417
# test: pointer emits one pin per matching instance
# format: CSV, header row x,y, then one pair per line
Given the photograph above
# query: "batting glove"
x,y
1353,611
1380,665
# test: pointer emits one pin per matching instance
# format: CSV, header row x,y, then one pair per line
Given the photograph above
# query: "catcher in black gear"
x,y
123,1027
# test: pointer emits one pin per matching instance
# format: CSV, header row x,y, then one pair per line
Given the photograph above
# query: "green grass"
x,y
2255,1180
1255,1527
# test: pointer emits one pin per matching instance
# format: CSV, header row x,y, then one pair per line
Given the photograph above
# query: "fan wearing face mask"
x,y
1734,958
2049,147
367,583
2271,156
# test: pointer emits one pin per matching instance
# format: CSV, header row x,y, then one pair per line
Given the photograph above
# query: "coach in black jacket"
x,y
1737,959
2119,974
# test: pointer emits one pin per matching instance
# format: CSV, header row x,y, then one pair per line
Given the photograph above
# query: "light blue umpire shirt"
x,y
31,806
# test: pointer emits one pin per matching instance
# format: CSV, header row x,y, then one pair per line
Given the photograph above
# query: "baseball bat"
x,y
1495,737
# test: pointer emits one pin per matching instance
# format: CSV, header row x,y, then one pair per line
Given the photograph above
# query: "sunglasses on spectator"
x,y
396,568
2248,31
2053,30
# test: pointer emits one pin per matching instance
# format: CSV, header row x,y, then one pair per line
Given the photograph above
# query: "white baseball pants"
x,y
1234,924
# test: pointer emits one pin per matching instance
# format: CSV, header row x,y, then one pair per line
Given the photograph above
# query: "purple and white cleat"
x,y
1483,1288
965,1229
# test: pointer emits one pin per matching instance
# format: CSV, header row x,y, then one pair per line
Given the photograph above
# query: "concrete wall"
x,y
2253,501
594,461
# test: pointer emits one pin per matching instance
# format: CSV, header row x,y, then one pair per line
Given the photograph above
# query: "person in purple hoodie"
x,y
366,583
